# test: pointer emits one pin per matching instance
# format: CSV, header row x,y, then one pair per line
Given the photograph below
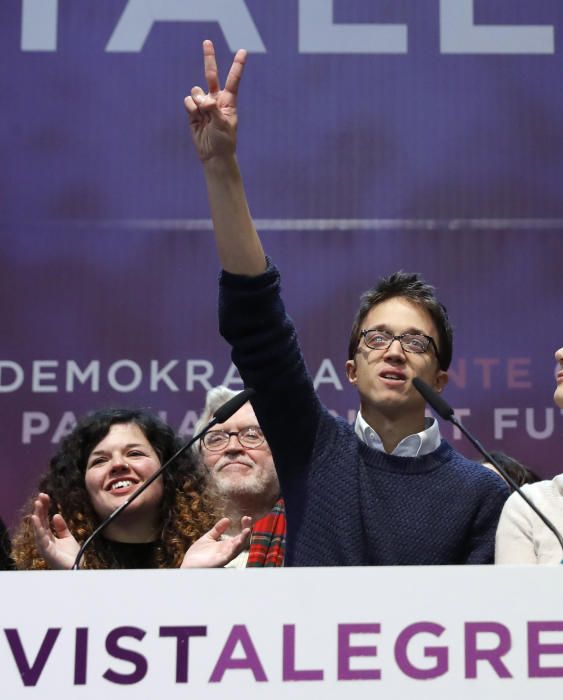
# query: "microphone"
x,y
222,414
442,407
230,407
445,411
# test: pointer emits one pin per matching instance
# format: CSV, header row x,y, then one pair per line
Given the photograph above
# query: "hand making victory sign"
x,y
213,123
213,116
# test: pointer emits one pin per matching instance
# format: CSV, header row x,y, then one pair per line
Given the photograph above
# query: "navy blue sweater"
x,y
346,503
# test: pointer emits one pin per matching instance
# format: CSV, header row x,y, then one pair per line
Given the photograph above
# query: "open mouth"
x,y
393,376
121,484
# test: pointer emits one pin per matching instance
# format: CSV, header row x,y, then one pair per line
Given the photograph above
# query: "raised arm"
x,y
213,122
252,316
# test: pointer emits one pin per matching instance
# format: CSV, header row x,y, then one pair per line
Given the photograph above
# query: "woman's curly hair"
x,y
185,512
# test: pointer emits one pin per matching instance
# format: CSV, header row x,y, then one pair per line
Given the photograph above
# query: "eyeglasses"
x,y
217,440
410,342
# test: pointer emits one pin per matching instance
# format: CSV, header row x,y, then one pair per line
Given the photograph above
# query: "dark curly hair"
x,y
185,511
411,286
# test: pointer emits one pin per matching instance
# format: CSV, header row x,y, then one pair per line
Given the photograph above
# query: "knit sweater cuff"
x,y
251,282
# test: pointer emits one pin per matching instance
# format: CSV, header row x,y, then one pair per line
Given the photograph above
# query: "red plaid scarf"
x,y
267,542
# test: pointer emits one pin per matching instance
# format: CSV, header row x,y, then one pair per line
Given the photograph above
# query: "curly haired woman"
x,y
108,455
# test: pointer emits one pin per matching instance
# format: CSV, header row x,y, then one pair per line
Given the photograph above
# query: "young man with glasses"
x,y
238,461
389,491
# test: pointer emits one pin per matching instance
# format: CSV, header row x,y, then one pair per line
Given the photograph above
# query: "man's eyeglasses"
x,y
410,342
217,440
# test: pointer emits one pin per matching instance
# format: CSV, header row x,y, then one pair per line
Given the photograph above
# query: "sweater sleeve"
x,y
482,539
515,537
265,349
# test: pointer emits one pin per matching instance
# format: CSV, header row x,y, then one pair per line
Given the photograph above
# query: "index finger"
x,y
235,74
210,67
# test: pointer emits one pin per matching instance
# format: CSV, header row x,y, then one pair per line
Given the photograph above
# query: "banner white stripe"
x,y
341,224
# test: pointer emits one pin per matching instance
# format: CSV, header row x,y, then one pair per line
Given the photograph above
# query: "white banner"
x,y
401,632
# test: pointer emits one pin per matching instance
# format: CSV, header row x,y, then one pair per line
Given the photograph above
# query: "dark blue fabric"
x,y
346,503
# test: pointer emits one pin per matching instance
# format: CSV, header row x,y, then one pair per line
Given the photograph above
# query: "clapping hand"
x,y
54,540
212,551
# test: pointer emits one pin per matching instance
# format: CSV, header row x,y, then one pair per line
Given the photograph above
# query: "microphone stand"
x,y
445,411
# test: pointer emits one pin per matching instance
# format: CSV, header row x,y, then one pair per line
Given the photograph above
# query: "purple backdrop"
x,y
374,136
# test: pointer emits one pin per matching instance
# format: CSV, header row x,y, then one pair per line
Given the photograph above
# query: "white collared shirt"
x,y
416,445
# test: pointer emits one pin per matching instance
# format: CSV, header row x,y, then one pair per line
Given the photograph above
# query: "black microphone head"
x,y
231,406
434,400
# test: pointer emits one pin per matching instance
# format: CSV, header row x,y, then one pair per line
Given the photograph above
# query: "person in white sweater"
x,y
522,538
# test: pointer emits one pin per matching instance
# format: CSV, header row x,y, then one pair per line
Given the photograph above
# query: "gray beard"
x,y
248,496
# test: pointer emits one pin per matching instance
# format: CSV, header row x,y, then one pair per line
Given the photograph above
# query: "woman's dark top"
x,y
133,555
6,562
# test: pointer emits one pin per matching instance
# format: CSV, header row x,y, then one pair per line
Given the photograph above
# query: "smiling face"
x,y
116,467
558,396
238,470
384,377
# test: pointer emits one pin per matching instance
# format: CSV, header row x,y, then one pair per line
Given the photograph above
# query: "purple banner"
x,y
374,136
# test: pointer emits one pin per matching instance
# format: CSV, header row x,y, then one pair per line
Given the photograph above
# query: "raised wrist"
x,y
223,165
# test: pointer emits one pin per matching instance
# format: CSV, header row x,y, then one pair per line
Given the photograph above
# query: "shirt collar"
x,y
416,445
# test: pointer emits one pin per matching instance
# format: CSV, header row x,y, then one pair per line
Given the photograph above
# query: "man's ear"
x,y
351,371
440,381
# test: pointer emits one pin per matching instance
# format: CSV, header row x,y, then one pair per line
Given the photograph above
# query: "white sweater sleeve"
x,y
515,535
522,537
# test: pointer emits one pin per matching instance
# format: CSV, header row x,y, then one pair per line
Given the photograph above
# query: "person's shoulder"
x,y
472,471
451,454
517,511
516,507
334,436
557,484
448,453
334,425
549,488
